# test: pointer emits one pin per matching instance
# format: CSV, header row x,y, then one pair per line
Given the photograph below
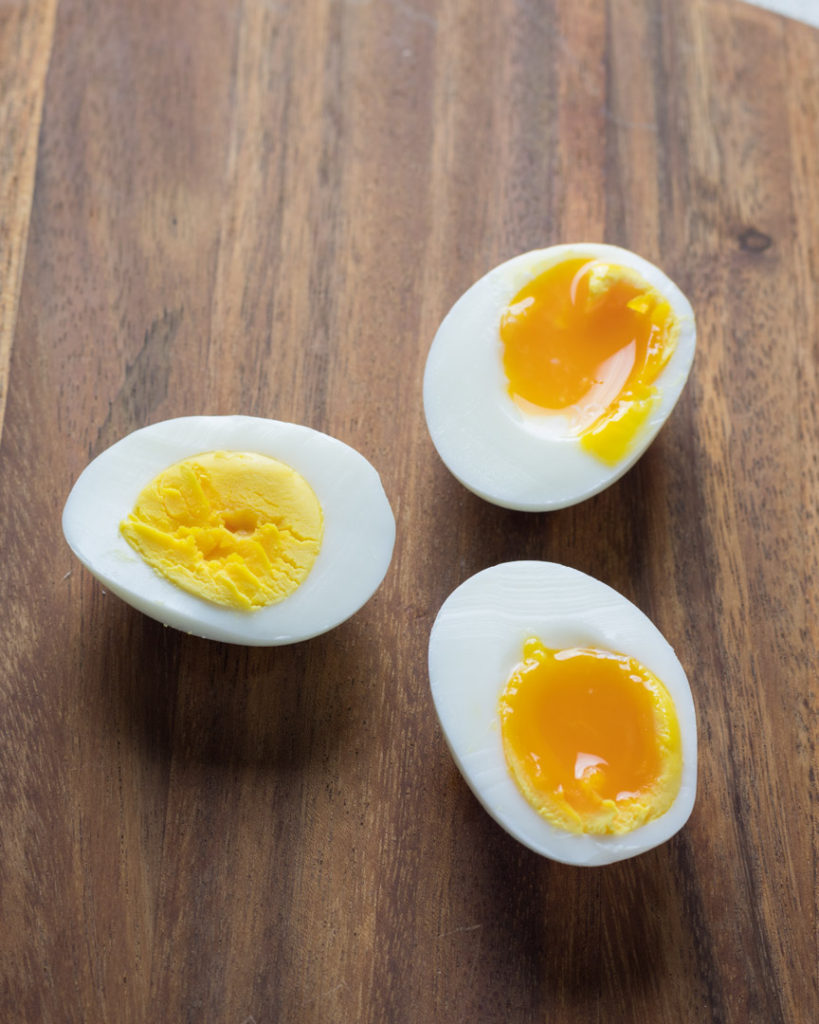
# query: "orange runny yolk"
x,y
591,738
588,339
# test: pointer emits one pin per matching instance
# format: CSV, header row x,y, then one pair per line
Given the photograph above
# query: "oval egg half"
x,y
542,387
350,555
476,646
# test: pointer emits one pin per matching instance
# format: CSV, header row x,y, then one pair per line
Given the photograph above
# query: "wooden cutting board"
x,y
267,207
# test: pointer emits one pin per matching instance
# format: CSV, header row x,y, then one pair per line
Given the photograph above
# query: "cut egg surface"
x,y
566,710
553,373
234,528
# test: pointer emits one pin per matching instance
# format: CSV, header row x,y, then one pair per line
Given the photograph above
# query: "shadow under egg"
x,y
204,702
604,536
565,937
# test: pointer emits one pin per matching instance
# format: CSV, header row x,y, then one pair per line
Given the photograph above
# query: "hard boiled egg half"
x,y
235,528
566,711
553,373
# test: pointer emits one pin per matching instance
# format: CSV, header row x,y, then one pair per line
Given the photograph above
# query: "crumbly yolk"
x,y
235,528
588,339
591,738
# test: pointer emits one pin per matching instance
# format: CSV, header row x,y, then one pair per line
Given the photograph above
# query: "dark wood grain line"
x,y
145,382
26,37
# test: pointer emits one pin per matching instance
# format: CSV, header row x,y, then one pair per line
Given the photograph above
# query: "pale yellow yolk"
x,y
591,738
588,340
235,528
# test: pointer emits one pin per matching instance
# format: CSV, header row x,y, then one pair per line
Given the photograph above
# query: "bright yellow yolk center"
x,y
588,340
591,738
235,528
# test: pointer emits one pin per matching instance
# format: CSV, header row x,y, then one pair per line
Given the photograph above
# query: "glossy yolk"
x,y
588,339
235,528
591,738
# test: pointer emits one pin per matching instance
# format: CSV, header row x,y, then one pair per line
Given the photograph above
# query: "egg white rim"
x,y
356,550
481,435
475,643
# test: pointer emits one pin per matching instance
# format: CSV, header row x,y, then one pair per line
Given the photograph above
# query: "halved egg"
x,y
234,528
566,711
553,373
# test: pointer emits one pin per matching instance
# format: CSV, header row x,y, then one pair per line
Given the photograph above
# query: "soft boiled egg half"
x,y
553,373
566,711
235,528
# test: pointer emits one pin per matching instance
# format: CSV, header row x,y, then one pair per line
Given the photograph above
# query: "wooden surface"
x,y
26,33
266,207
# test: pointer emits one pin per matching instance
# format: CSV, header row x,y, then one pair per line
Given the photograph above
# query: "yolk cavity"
x,y
591,738
588,340
235,528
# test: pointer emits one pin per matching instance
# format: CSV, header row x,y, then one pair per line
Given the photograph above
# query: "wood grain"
x,y
261,207
26,33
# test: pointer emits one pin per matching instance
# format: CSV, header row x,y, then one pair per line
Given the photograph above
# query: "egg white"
x,y
359,527
476,642
488,443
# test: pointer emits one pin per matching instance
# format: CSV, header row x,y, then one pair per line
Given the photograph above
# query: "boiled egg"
x,y
235,528
553,373
566,711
